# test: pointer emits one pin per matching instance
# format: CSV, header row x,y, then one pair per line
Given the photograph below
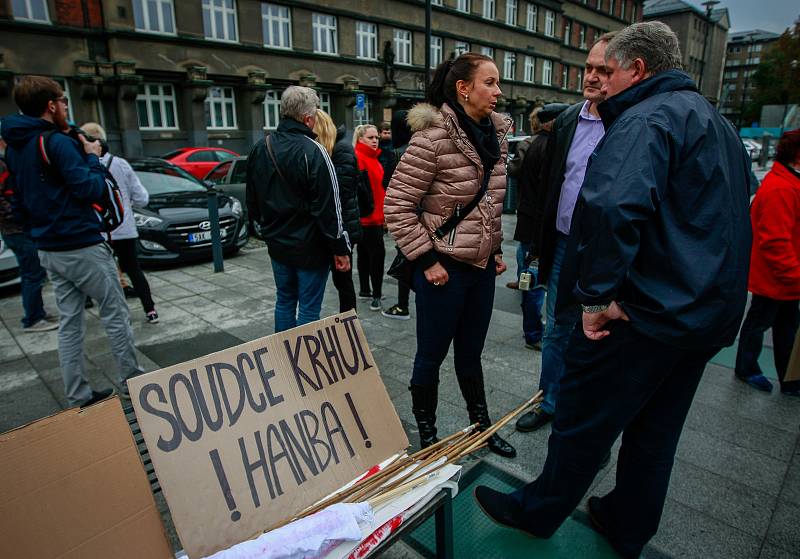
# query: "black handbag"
x,y
366,203
402,269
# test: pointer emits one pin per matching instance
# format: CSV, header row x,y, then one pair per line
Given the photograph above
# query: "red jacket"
x,y
775,256
368,160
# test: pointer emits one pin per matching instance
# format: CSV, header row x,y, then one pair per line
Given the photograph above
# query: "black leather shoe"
x,y
475,395
499,507
424,400
97,396
501,446
533,420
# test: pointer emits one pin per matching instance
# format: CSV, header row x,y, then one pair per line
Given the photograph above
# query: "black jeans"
x,y
371,254
458,313
126,253
403,291
343,281
765,313
625,383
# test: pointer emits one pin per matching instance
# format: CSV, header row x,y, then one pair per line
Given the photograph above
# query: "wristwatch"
x,y
595,308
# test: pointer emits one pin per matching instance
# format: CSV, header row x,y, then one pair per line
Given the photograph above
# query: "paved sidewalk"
x,y
735,489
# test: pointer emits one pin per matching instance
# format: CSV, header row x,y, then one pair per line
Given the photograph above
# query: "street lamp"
x,y
709,4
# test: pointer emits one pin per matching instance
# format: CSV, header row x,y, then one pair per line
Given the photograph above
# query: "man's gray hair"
x,y
299,102
652,41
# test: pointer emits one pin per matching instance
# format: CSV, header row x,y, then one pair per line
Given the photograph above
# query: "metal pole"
x,y
428,15
216,238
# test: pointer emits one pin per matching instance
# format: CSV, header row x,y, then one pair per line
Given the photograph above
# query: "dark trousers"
x,y
625,383
126,253
403,291
343,281
371,254
31,275
458,313
765,313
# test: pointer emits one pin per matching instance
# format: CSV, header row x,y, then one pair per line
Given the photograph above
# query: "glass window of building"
x,y
463,6
550,23
155,105
30,10
510,66
531,18
366,40
220,108
488,9
325,102
402,47
511,12
547,72
582,36
622,9
272,109
326,39
529,74
567,31
436,51
154,16
579,80
564,76
611,6
436,3
219,20
460,48
487,51
276,21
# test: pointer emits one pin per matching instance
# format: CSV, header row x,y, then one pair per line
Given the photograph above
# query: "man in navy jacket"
x,y
660,243
58,178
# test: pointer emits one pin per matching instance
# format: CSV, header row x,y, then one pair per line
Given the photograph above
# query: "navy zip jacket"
x,y
55,200
662,223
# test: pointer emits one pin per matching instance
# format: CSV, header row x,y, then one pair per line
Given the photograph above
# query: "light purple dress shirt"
x,y
588,134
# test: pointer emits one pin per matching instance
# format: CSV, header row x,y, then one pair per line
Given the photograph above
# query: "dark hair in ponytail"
x,y
443,85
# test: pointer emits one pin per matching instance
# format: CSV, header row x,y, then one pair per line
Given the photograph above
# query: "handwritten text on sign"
x,y
244,438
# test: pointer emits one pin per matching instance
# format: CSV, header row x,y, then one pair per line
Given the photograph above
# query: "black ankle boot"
x,y
473,391
424,400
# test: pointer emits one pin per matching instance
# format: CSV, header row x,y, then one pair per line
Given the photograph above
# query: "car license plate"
x,y
205,236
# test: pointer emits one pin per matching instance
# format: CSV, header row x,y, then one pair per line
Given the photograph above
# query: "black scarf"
x,y
482,135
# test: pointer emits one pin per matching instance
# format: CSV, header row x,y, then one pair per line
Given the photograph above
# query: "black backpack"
x,y
110,210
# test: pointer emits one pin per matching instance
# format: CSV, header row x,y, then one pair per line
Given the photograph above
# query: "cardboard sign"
x,y
247,437
72,486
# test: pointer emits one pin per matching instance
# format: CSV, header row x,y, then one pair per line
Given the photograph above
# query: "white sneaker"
x,y
44,325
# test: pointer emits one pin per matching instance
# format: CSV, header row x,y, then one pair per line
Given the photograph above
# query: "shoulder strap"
x,y
451,223
42,141
268,144
110,159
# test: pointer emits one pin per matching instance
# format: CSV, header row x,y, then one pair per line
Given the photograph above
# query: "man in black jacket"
x,y
662,238
576,132
293,193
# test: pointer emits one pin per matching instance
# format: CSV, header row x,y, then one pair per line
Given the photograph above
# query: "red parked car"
x,y
199,161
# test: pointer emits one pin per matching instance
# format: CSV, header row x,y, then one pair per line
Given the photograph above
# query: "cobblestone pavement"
x,y
735,489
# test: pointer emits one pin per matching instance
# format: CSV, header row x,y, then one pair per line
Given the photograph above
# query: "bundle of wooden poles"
x,y
405,473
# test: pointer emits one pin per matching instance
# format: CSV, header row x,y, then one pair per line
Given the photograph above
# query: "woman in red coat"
x,y
774,269
371,252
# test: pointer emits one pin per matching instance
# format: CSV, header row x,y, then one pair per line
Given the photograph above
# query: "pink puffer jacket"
x,y
439,173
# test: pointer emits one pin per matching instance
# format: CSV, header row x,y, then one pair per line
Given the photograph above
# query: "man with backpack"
x,y
63,194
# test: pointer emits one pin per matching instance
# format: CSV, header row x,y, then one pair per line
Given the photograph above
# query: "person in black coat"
x,y
344,162
386,144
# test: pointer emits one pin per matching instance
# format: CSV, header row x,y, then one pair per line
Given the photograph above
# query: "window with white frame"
x,y
276,22
582,36
510,66
487,51
633,12
529,73
532,18
488,9
436,3
155,105
599,4
436,51
511,12
550,23
365,116
463,6
325,102
402,47
366,40
220,109
460,48
611,6
547,72
30,10
154,16
326,39
579,80
567,31
564,76
219,20
272,109
622,9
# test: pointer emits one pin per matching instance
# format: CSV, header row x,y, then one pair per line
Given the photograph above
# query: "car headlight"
x,y
146,220
236,207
